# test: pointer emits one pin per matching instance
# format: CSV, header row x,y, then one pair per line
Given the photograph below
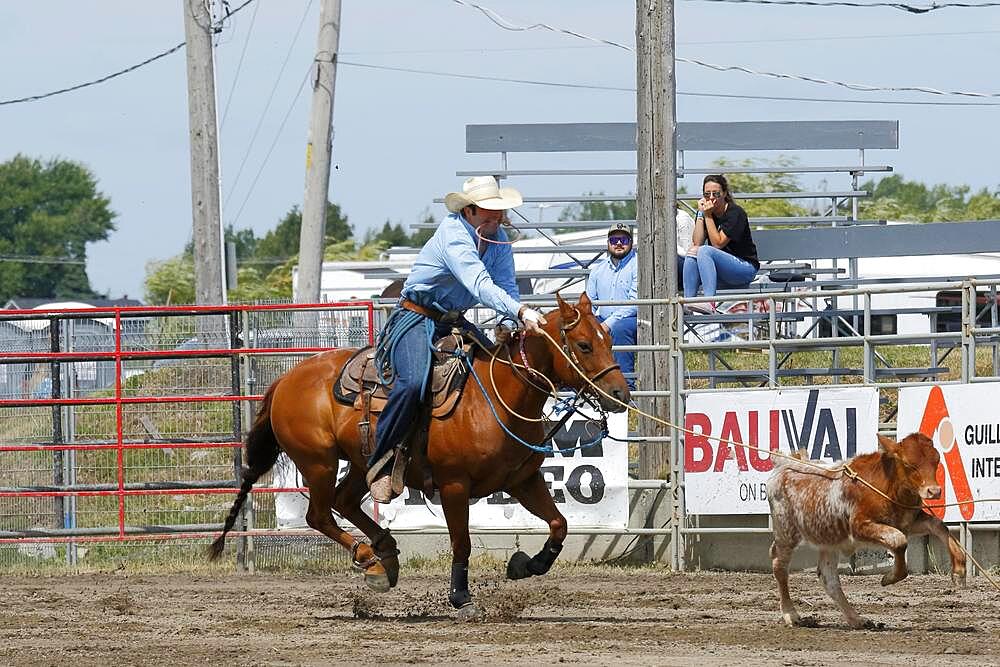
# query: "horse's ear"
x,y
584,302
565,309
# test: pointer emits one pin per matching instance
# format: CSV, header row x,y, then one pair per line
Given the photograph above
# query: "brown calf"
x,y
835,513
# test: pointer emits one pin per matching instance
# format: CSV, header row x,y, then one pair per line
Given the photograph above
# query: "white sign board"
x,y
720,478
962,421
589,485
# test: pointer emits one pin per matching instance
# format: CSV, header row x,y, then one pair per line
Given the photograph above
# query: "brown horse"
x,y
470,456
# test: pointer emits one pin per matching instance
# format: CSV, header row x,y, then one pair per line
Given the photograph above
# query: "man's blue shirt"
x,y
450,273
608,282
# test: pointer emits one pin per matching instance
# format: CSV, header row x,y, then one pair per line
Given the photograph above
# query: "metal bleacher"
x,y
795,245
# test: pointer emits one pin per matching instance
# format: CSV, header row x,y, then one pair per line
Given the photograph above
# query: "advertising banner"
x,y
961,420
589,485
828,424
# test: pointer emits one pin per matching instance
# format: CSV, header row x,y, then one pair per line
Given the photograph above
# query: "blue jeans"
x,y
412,364
623,332
714,269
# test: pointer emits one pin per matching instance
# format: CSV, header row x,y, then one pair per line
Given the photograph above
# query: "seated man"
x,y
467,262
615,279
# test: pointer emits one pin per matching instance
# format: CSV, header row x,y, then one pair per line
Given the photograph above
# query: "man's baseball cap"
x,y
620,227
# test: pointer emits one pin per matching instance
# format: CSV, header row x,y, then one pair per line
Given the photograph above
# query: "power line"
x,y
274,143
770,40
496,18
830,38
263,114
239,67
913,9
557,84
132,68
508,25
107,77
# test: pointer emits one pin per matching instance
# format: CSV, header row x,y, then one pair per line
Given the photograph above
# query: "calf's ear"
x,y
888,445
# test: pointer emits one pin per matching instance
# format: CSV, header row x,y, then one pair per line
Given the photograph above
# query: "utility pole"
x,y
207,231
318,156
656,219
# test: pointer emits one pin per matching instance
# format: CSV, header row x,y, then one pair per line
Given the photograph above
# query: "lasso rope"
x,y
483,238
531,446
844,469
398,324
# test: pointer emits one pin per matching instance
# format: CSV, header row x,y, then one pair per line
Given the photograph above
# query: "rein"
x,y
533,447
570,409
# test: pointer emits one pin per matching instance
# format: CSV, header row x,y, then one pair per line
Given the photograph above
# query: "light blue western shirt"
x,y
608,282
450,274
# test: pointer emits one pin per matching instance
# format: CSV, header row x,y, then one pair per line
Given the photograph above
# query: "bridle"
x,y
568,350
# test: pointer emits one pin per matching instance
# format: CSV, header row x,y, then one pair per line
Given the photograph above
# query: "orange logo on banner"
x,y
936,419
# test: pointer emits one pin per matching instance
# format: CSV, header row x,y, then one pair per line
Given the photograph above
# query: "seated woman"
x,y
722,253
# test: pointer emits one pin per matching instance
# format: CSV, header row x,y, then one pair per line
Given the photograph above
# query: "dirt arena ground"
x,y
576,614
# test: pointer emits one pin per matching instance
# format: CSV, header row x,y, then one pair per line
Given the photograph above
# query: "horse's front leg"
x,y
534,496
455,502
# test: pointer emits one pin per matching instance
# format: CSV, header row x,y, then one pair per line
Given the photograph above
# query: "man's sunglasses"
x,y
623,239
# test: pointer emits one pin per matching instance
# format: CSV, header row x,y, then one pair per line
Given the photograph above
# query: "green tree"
x,y
597,210
282,242
895,198
772,182
422,236
265,265
246,242
738,182
390,235
170,281
49,210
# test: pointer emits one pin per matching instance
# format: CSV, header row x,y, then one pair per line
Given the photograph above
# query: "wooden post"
x,y
207,232
311,239
655,214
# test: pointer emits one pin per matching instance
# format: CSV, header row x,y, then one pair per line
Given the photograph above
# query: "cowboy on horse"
x,y
467,262
312,415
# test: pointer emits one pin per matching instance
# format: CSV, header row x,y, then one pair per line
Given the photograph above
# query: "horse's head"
x,y
588,345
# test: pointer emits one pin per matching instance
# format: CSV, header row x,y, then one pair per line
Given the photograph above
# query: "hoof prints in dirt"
x,y
497,601
121,603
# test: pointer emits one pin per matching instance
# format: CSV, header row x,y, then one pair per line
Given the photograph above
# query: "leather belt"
x,y
450,317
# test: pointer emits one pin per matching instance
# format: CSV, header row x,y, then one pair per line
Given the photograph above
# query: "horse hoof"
x,y
391,566
469,612
517,567
378,582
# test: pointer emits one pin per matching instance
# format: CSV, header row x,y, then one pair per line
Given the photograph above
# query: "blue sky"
x,y
399,136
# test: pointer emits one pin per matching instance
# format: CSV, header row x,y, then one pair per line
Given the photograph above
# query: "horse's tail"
x,y
262,453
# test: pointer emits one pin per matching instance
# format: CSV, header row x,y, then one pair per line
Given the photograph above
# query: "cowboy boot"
x,y
379,479
381,488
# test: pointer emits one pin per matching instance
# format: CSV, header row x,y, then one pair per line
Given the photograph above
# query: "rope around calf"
x,y
844,469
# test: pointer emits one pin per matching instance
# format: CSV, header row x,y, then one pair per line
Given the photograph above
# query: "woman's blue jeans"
x,y
715,269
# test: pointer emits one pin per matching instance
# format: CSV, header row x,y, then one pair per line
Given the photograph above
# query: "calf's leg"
x,y
828,562
781,554
928,524
892,539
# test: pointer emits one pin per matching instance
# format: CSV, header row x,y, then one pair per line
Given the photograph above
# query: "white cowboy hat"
x,y
484,192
